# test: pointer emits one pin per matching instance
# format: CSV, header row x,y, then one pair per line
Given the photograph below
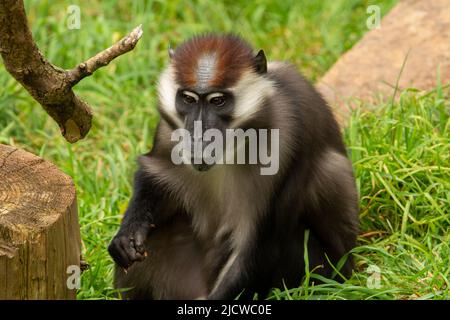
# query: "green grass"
x,y
400,152
401,155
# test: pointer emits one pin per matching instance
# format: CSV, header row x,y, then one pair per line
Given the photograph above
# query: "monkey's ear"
x,y
260,62
171,52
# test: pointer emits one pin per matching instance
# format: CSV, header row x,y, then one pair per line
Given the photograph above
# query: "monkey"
x,y
216,231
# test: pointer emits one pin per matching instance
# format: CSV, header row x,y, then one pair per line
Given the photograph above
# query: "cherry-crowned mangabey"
x,y
226,230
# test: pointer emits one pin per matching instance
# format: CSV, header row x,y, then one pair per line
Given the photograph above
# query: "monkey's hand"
x,y
128,246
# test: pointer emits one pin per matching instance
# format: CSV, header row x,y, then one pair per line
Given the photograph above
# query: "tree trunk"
x,y
48,84
39,230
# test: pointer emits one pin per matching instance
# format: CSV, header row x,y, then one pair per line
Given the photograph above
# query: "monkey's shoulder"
x,y
285,71
290,82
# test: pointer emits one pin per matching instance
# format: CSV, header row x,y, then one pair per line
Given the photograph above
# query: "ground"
x,y
400,150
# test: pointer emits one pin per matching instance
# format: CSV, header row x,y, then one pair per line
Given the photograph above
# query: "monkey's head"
x,y
215,79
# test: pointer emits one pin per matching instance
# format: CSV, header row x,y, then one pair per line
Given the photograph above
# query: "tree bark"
x,y
48,84
39,230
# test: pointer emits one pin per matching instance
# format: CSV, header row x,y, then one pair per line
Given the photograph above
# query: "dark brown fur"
x,y
230,231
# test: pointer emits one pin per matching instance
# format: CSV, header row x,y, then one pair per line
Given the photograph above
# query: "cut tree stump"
x,y
39,230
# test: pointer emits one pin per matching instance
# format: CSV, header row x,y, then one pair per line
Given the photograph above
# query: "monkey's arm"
x,y
333,216
140,216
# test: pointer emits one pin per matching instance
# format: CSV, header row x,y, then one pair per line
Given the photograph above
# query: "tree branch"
x,y
101,59
48,84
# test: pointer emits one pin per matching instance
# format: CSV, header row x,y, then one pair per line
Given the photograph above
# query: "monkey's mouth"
x,y
199,164
202,167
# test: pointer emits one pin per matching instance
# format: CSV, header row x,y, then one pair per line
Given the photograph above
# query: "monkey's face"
x,y
203,110
213,83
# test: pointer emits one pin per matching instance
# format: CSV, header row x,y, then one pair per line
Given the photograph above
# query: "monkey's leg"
x,y
288,267
233,276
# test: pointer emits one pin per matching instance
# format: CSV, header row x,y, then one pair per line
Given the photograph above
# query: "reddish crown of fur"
x,y
232,55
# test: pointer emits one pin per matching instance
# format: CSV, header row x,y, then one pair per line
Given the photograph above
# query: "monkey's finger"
x,y
140,257
129,249
121,258
118,254
139,240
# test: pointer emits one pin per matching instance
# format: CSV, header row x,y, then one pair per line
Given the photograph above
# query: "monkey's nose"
x,y
202,167
200,164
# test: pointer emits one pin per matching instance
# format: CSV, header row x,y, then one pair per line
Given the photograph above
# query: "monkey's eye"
x,y
189,99
218,101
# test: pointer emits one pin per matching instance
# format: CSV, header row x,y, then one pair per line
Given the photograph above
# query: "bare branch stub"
x,y
48,84
103,58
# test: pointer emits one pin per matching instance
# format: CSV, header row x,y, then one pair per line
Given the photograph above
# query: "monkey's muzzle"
x,y
201,162
202,166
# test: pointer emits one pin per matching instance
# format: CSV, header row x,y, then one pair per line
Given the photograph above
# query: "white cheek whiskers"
x,y
250,93
167,90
